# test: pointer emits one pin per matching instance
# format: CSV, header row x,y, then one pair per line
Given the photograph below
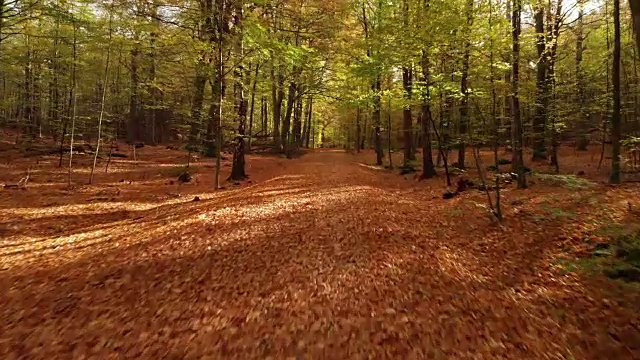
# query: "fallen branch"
x,y
21,184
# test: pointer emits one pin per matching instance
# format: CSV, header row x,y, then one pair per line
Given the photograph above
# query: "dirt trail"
x,y
330,259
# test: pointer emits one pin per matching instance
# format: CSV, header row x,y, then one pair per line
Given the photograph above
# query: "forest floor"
x,y
324,256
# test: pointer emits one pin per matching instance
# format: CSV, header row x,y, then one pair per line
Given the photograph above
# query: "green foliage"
x,y
568,181
618,259
177,171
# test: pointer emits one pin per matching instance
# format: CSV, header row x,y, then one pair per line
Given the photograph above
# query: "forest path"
x,y
329,259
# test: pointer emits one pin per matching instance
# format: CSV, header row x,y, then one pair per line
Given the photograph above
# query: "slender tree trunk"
x,y
73,99
542,86
518,162
389,134
102,101
377,137
305,129
153,86
365,133
277,96
635,13
494,95
615,119
309,122
375,88
583,121
508,106
219,97
286,122
238,165
133,133
358,130
199,83
608,87
554,23
464,87
297,121
265,117
27,103
407,123
428,168
407,83
253,101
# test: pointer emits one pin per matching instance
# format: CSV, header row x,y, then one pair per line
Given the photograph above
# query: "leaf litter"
x,y
317,258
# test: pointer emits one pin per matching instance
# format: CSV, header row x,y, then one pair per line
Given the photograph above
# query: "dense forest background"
x,y
403,75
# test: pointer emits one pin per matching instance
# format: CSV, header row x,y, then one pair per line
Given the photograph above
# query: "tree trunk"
x,y
615,118
218,89
297,122
428,168
389,134
542,99
464,87
635,13
309,124
103,100
507,109
238,165
199,83
253,101
407,119
494,95
286,122
583,120
277,96
134,126
377,137
553,33
516,28
407,83
358,130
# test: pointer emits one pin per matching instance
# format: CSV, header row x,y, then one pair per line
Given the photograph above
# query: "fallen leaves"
x,y
325,259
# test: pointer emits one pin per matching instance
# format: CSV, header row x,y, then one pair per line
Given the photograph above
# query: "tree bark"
x,y
253,101
542,94
407,83
635,13
464,88
286,121
583,120
134,126
407,119
516,28
297,121
377,137
428,167
238,164
277,96
616,116
309,124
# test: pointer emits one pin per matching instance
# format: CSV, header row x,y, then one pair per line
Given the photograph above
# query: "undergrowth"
x,y
618,259
568,181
